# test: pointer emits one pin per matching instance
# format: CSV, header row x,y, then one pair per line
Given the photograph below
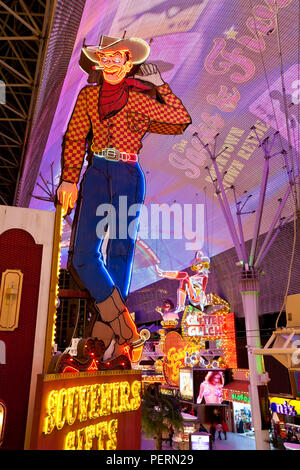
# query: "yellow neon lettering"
x,y
72,406
49,422
84,397
115,398
124,396
89,434
106,392
67,405
112,434
94,402
70,441
101,432
61,404
135,402
80,438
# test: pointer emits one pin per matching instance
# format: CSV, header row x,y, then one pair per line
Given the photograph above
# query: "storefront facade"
x,y
286,416
236,394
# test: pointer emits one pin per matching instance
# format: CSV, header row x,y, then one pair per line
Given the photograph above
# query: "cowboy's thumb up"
x,y
67,194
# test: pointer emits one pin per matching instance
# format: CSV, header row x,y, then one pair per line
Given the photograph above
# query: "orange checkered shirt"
x,y
124,131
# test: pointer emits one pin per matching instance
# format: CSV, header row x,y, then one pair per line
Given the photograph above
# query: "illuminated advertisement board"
x,y
203,386
186,388
203,325
219,326
284,406
88,411
208,386
200,441
176,351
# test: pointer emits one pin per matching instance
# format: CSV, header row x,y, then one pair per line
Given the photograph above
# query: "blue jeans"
x,y
101,211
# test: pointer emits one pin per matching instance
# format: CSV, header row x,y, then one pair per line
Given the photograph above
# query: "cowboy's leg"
x,y
128,190
128,187
87,259
181,296
192,292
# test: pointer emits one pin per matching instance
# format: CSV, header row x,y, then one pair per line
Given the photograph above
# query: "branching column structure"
x,y
250,268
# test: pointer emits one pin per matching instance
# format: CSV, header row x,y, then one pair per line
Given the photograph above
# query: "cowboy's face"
x,y
115,65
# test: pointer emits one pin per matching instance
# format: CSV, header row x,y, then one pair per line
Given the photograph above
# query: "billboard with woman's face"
x,y
202,386
208,386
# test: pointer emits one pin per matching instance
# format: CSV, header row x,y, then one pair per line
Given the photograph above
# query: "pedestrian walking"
x,y
225,429
219,429
171,433
212,431
202,428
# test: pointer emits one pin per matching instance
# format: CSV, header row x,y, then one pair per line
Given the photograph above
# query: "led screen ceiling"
x,y
221,58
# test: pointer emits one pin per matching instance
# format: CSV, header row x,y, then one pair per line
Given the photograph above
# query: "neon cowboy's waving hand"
x,y
119,114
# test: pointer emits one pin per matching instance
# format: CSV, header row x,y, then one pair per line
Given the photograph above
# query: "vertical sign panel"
x,y
20,267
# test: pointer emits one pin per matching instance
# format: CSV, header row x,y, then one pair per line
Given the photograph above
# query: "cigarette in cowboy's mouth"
x,y
97,67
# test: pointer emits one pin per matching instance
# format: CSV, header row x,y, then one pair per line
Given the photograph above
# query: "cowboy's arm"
x,y
74,147
168,117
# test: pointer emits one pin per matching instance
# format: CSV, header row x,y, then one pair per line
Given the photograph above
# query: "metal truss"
x,y
23,37
252,263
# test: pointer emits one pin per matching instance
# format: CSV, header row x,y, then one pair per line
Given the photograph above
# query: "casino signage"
x,y
216,323
199,326
242,397
204,325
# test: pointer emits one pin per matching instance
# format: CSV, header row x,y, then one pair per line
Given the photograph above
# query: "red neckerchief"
x,y
113,98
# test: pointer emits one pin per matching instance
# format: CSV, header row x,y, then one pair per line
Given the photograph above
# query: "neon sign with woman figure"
x,y
192,287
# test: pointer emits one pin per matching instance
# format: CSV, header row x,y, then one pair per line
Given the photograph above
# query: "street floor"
x,y
234,441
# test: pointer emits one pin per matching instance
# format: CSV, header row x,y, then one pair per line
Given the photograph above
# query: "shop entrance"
x,y
208,414
242,420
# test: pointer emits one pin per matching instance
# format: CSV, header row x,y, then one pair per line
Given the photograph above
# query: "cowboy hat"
x,y
200,258
138,48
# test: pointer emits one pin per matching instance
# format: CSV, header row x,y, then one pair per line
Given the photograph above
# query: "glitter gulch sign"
x,y
204,325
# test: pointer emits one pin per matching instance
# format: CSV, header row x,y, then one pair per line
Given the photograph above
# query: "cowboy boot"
x,y
181,298
114,312
115,350
103,332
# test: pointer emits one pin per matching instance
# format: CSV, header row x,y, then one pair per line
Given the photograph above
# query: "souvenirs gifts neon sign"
x,y
88,411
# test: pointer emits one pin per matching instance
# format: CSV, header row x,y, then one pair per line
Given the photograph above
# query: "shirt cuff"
x,y
164,89
71,175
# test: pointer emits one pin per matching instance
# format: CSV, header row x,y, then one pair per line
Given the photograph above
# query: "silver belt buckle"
x,y
111,154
